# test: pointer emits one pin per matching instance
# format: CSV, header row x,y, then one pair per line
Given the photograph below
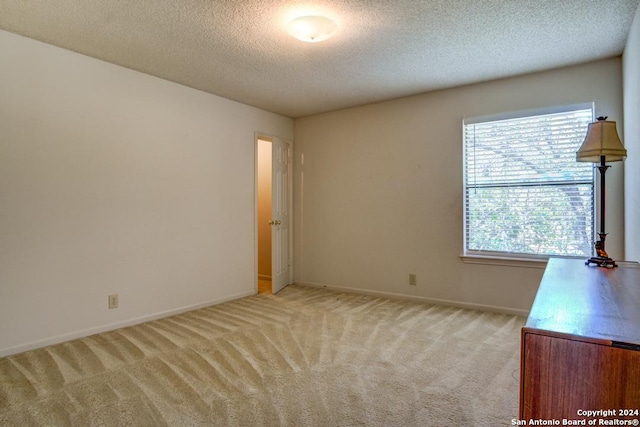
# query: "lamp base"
x,y
601,262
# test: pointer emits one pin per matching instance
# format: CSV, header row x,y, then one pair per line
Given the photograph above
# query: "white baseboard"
x,y
436,301
113,326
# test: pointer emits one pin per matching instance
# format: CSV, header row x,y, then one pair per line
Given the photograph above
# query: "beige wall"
x,y
631,139
112,181
264,208
379,195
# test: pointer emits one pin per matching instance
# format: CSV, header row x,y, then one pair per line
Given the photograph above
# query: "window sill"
x,y
505,261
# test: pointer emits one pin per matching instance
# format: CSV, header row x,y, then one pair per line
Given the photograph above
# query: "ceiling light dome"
x,y
312,29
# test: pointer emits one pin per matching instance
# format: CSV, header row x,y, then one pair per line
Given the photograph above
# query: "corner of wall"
x,y
631,138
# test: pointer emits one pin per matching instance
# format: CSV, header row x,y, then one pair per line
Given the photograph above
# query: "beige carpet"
x,y
304,357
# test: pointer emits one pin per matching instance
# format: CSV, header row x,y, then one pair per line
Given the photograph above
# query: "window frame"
x,y
506,258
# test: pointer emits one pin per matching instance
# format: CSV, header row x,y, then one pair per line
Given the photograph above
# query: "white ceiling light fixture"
x,y
312,29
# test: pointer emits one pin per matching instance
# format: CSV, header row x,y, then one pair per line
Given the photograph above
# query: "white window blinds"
x,y
525,194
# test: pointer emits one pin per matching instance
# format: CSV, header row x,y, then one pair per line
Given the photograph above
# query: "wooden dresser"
x,y
581,343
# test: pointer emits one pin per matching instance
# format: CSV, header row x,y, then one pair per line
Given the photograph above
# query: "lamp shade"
x,y
601,140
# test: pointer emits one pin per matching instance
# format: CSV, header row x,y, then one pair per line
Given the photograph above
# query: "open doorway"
x,y
273,213
264,173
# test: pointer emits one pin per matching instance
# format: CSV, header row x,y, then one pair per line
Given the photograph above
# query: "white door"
x,y
280,268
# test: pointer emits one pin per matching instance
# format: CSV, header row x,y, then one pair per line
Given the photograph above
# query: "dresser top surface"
x,y
588,302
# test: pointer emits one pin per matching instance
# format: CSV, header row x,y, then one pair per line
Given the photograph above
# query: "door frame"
x,y
270,138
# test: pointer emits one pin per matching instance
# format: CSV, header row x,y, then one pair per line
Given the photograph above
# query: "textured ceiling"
x,y
384,49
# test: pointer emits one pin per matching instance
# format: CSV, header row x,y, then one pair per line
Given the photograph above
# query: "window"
x,y
525,194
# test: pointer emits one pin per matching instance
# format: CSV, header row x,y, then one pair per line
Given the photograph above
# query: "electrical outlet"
x,y
113,301
412,280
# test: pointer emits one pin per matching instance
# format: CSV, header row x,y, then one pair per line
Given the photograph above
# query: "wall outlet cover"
x,y
113,301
